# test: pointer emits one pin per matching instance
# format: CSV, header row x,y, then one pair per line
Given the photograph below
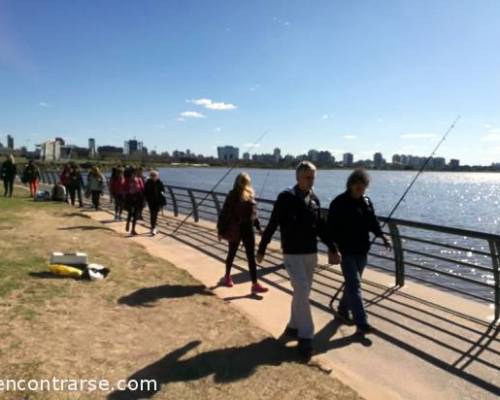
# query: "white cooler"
x,y
69,258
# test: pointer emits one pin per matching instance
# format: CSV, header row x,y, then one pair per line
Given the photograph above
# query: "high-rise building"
x,y
10,142
51,149
347,160
92,149
378,160
313,155
277,155
228,153
246,156
396,159
132,147
454,163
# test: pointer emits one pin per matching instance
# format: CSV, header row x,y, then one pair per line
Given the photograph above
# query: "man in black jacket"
x,y
297,213
351,218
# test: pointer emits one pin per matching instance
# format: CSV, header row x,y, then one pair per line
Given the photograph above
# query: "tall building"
x,y
396,159
347,160
228,153
277,155
10,142
92,151
454,163
313,155
246,156
378,160
51,149
132,146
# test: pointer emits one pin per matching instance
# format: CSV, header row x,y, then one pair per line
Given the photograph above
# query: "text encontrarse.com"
x,y
55,384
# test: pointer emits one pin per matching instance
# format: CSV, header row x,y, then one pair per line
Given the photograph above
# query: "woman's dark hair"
x,y
359,175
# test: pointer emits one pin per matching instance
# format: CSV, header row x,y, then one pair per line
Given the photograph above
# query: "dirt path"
x,y
147,320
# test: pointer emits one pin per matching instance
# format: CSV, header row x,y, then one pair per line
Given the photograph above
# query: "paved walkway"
x,y
422,348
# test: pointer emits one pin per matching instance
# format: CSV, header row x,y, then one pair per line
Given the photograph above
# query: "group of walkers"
x,y
131,191
30,176
297,213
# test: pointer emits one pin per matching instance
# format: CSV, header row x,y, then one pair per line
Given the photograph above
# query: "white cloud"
x,y
488,126
217,129
418,136
492,136
380,120
212,105
350,137
252,145
191,114
280,21
324,116
45,104
255,87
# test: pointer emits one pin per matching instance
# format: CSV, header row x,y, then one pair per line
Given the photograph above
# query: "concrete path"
x,y
428,344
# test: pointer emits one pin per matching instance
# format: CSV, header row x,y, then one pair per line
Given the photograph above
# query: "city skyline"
x,y
360,78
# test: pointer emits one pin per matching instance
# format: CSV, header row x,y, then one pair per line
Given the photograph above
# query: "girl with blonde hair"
x,y
236,224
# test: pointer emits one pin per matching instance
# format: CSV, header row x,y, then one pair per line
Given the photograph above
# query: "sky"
x,y
359,76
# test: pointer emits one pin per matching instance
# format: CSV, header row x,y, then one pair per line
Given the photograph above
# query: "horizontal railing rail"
x,y
459,260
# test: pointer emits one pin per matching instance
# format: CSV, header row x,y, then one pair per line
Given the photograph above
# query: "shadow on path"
x,y
145,297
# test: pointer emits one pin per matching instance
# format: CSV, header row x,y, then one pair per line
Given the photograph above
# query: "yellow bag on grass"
x,y
65,270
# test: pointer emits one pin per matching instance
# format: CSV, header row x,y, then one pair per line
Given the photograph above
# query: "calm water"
x,y
460,200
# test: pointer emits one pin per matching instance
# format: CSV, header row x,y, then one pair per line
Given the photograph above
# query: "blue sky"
x,y
359,76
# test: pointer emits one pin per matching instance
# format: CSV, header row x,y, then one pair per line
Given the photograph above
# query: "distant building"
x,y
396,159
92,150
72,152
313,155
454,163
110,151
438,163
132,147
228,153
277,155
325,158
51,149
347,160
246,156
10,142
378,160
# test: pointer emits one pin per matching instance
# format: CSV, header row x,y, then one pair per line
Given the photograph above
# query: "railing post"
x,y
195,207
216,202
495,258
174,201
397,247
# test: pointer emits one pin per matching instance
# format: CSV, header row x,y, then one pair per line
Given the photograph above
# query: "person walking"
x,y
134,198
8,173
64,179
75,184
95,185
117,191
351,219
297,213
154,192
236,224
31,176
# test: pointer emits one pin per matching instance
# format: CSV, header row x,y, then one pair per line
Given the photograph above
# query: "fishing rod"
x,y
401,199
254,144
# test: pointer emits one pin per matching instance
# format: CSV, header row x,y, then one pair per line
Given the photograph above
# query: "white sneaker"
x,y
153,232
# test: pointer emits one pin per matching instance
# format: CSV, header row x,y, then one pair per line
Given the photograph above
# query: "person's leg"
x,y
36,187
248,237
72,193
135,217
79,193
32,188
11,186
231,254
353,288
300,268
130,212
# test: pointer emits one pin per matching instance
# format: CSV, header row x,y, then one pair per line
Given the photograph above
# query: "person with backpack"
x,y
236,224
95,186
8,173
31,177
117,191
351,219
154,192
75,184
134,198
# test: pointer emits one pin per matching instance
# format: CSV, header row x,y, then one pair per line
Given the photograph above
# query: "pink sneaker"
x,y
228,282
257,288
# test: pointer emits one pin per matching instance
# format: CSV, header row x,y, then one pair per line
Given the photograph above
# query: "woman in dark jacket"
x,y
75,184
31,176
351,219
8,173
236,222
154,192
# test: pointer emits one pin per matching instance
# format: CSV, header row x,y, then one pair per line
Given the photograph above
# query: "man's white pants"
x,y
300,268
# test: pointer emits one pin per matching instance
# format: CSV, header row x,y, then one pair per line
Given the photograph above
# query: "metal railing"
x,y
458,260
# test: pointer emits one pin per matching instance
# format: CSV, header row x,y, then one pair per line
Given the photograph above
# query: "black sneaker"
x,y
364,329
290,333
305,349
